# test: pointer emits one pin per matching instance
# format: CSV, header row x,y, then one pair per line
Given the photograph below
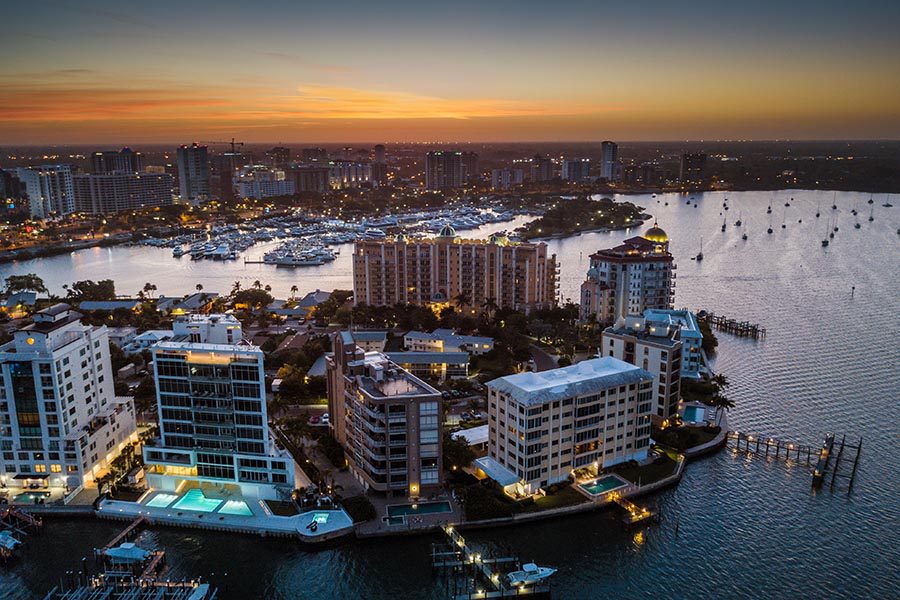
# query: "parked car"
x,y
326,419
314,420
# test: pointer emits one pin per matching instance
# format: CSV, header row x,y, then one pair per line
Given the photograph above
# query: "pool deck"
x,y
262,522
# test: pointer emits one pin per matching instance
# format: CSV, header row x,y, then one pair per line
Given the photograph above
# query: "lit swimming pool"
x,y
422,508
195,500
32,497
695,414
236,507
162,500
602,485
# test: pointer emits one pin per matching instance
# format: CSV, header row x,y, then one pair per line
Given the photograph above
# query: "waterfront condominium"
x,y
609,158
387,420
60,423
630,278
544,425
210,390
107,193
447,169
655,346
691,337
473,274
49,188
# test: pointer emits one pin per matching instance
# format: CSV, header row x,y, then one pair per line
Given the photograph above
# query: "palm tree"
x,y
235,288
257,284
721,381
461,300
490,305
294,290
199,287
148,288
721,403
268,288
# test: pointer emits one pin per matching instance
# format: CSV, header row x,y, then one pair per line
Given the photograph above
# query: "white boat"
x,y
530,574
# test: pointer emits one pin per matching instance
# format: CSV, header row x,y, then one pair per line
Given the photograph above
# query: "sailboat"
x,y
872,214
724,223
857,225
870,200
835,224
818,209
699,256
738,223
784,220
834,202
769,210
769,230
744,237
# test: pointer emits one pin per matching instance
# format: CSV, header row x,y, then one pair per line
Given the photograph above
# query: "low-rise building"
x,y
447,340
654,346
146,340
122,336
387,420
370,341
433,365
544,425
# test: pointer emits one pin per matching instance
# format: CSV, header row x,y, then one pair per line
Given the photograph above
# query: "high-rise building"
x,y
654,346
125,160
691,337
444,170
541,168
193,173
279,156
60,422
504,179
471,273
262,182
107,193
224,169
693,168
387,420
379,151
471,170
13,198
49,188
593,414
609,156
314,155
211,400
348,174
310,178
576,170
630,278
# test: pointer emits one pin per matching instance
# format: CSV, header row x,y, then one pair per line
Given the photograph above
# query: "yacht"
x,y
178,252
739,222
529,575
699,256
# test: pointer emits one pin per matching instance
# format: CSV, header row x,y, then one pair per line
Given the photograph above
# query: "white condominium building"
x,y
210,389
544,425
60,424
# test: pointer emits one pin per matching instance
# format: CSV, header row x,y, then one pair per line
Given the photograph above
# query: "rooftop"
x,y
586,377
385,379
429,358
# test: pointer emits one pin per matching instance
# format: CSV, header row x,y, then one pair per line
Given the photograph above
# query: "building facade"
x,y
193,173
691,337
504,179
655,347
576,170
262,182
544,425
211,400
693,168
50,189
541,169
630,278
108,193
344,174
609,158
387,420
125,160
60,422
475,274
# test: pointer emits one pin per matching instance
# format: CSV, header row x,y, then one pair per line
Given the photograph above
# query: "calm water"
x,y
747,527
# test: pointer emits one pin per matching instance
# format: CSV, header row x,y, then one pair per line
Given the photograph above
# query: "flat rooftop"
x,y
586,377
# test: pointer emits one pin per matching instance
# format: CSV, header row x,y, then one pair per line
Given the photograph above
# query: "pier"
x,y
15,526
732,326
484,576
633,513
818,457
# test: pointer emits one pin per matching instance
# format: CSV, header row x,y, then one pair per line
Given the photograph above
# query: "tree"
x,y
147,290
720,403
257,284
235,288
457,453
199,287
25,283
490,306
105,289
254,298
294,290
461,300
268,288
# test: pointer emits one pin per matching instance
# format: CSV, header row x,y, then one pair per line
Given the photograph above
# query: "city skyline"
x,y
400,72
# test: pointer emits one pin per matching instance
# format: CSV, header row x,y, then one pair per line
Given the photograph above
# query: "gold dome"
x,y
656,234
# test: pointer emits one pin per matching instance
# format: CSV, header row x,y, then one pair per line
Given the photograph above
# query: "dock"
x,y
818,457
126,534
732,326
632,513
16,526
474,576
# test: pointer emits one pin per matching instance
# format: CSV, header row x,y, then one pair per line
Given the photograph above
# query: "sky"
x,y
292,71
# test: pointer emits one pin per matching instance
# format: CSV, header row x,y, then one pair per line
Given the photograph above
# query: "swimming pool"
x,y
30,497
422,508
195,500
695,414
162,500
236,507
602,485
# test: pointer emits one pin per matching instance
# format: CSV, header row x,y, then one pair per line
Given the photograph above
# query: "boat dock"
x,y
633,513
126,534
482,576
15,526
820,456
732,326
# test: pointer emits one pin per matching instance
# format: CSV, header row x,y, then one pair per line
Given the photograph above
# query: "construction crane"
x,y
232,143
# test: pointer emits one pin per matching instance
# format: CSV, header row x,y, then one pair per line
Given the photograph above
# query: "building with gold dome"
x,y
629,278
448,270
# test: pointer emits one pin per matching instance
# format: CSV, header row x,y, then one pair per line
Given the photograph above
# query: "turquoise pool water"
x,y
30,497
236,507
195,500
162,500
602,485
423,508
695,414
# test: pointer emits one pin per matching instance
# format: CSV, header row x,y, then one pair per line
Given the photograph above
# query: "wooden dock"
x,y
818,457
732,326
483,576
18,525
633,513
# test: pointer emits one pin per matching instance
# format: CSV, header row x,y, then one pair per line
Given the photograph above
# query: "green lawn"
x,y
282,509
567,496
661,468
682,438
